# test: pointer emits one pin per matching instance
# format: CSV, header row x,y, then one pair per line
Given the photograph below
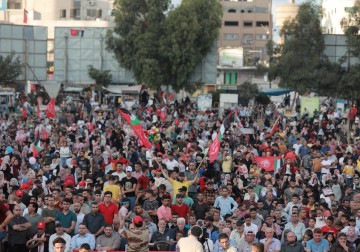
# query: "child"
x,y
124,213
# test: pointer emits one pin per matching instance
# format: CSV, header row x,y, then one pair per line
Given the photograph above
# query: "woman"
x,y
330,238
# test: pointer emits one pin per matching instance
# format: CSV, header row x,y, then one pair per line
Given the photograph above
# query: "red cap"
x,y
41,225
158,169
137,219
30,183
19,193
24,186
82,183
68,182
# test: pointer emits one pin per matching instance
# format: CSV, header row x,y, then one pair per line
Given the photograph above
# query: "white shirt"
x,y
253,227
325,162
65,236
80,218
190,244
170,165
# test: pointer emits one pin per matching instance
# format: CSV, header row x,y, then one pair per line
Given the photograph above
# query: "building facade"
x,y
333,12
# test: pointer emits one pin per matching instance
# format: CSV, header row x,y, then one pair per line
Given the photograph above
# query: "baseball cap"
x,y
82,183
24,186
41,225
158,169
128,168
137,219
19,193
249,232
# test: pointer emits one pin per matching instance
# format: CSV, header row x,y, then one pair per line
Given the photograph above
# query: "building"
x,y
56,13
246,28
285,11
333,12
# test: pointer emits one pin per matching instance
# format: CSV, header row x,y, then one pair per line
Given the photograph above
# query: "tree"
x,y
299,62
351,25
102,78
10,68
162,45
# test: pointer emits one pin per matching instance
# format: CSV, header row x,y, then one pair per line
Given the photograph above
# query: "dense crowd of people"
x,y
83,180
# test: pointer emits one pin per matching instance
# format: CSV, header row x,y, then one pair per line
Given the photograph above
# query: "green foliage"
x,y
102,78
350,83
161,45
299,62
351,25
10,68
247,91
262,99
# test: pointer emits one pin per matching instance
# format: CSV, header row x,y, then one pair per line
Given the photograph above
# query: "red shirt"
x,y
143,181
182,210
108,211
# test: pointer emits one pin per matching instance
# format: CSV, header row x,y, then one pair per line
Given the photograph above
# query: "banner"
x,y
310,103
269,164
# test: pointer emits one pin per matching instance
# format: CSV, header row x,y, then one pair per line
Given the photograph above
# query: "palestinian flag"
x,y
135,124
35,148
269,164
215,145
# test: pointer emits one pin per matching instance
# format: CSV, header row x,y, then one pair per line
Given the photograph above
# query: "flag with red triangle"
x,y
135,124
214,148
51,109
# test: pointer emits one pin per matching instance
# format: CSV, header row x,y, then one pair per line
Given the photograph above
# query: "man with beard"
x,y
177,184
200,208
291,245
110,240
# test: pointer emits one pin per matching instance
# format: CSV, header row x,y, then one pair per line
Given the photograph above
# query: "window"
x,y
262,23
248,23
248,39
349,9
91,13
74,13
242,11
14,4
262,37
231,36
251,57
232,11
230,78
231,23
62,13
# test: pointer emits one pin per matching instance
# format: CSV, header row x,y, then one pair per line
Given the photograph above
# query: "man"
x,y
114,189
295,226
342,245
48,215
180,208
177,184
209,225
191,242
162,233
79,216
129,187
110,240
226,204
94,221
40,241
180,228
291,245
66,218
329,226
82,237
18,228
232,243
119,171
59,245
33,217
151,226
151,204
249,226
238,234
60,234
225,243
191,174
318,243
200,208
84,208
5,218
186,199
246,245
271,244
108,209
164,212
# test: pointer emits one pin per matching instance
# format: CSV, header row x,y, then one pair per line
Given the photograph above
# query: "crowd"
x,y
83,180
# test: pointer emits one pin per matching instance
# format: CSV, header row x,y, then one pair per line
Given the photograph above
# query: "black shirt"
x,y
128,183
200,210
17,237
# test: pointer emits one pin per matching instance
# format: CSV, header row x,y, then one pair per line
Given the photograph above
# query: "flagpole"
x,y
275,123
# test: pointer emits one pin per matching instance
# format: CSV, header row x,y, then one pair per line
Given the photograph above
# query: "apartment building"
x,y
333,12
246,28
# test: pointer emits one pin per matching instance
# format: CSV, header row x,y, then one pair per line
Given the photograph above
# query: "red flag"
x,y
51,109
269,164
214,150
164,96
171,96
24,112
177,122
275,126
25,16
135,124
163,114
74,32
38,109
